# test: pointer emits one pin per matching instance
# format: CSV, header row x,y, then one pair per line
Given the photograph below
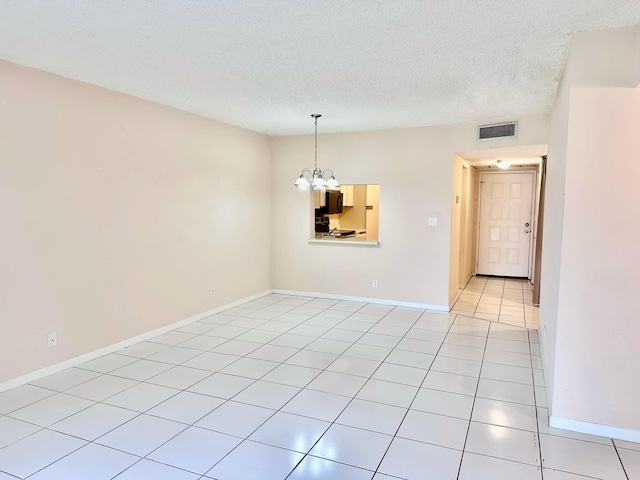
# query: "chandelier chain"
x,y
315,165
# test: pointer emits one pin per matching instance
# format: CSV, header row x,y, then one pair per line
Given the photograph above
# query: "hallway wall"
x,y
583,314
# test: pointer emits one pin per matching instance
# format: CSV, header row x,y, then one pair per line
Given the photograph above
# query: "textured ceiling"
x,y
267,65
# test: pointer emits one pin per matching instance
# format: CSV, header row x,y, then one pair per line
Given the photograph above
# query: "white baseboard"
x,y
439,308
547,387
577,425
72,362
595,429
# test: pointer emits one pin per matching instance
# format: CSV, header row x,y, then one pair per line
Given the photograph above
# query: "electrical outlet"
x,y
213,292
433,221
374,283
52,339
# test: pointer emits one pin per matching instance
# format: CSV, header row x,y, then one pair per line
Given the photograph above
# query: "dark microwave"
x,y
333,202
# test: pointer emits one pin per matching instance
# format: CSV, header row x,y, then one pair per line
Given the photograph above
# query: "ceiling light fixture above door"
x,y
316,178
502,164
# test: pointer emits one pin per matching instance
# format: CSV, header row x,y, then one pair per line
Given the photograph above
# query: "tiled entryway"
x,y
498,299
303,388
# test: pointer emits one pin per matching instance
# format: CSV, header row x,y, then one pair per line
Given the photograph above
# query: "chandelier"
x,y
316,179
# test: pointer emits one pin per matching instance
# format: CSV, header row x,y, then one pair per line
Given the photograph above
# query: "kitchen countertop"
x,y
360,240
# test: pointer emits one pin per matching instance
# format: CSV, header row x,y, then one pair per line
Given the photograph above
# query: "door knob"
x,y
526,231
526,224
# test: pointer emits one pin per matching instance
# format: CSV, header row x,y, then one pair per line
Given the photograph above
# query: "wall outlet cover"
x,y
433,221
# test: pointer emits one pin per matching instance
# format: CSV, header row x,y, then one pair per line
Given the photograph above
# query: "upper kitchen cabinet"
x,y
347,195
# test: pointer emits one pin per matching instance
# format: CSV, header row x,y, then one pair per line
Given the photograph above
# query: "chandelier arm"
x,y
327,170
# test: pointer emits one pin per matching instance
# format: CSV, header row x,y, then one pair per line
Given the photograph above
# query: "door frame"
x,y
537,261
534,190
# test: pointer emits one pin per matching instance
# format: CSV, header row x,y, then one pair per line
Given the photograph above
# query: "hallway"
x,y
506,300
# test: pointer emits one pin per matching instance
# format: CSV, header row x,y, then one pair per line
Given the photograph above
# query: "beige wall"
x,y
552,231
597,332
464,192
413,169
468,222
415,173
637,35
456,229
118,216
602,58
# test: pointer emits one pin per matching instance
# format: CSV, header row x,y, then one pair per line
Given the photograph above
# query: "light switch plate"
x,y
433,221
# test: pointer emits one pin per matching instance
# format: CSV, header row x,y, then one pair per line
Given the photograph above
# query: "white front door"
x,y
505,223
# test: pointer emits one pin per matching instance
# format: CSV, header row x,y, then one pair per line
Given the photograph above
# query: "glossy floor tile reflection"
x,y
505,300
288,387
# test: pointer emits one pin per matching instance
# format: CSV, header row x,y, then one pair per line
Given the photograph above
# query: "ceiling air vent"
x,y
498,131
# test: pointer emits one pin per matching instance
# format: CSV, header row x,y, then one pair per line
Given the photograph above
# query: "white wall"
x,y
118,216
597,361
415,172
604,58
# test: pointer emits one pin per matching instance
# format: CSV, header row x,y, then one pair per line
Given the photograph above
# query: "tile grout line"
x,y
535,402
480,299
475,396
501,300
624,470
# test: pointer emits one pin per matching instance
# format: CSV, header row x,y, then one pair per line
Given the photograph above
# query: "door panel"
x,y
505,223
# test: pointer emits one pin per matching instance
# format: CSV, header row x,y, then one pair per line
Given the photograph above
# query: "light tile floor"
x,y
303,388
497,299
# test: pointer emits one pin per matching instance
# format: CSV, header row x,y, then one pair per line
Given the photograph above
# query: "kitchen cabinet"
x,y
347,195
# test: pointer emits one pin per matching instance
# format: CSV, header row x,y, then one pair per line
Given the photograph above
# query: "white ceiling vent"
x,y
498,131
